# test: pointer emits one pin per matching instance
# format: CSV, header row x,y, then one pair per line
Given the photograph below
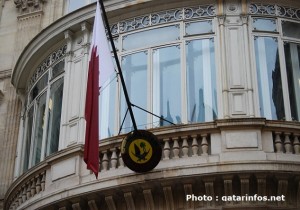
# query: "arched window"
x,y
44,104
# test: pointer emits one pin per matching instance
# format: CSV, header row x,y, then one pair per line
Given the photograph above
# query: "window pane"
x,y
202,27
40,85
167,85
28,139
269,78
54,113
262,24
39,129
151,37
291,29
135,74
75,4
201,81
107,107
292,57
58,69
116,43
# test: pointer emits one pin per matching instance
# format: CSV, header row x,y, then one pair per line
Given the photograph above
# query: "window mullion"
x,y
149,89
184,99
117,105
118,102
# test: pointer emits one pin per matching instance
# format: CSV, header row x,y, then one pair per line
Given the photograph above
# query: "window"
x,y
76,4
278,84
44,112
54,115
170,71
107,108
269,78
167,85
135,74
201,83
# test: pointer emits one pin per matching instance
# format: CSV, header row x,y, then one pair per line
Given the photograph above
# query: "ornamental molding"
x,y
48,62
29,6
274,10
1,96
162,17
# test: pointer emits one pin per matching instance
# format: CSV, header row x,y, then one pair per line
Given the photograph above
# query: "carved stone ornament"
x,y
1,96
27,6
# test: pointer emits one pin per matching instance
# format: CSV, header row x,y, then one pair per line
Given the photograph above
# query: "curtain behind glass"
x,y
269,78
54,116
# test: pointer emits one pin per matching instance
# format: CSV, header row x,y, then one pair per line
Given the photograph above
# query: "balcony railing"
x,y
30,187
182,146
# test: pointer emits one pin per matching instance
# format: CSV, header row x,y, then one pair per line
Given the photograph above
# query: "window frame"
x,y
183,38
67,4
281,39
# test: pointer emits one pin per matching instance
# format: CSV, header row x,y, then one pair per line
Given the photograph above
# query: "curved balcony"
x,y
226,157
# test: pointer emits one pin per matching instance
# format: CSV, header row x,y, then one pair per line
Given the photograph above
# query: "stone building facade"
x,y
225,72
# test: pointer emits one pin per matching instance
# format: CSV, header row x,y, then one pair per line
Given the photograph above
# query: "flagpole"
x,y
118,65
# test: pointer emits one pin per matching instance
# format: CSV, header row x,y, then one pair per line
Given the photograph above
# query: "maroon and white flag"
x,y
100,68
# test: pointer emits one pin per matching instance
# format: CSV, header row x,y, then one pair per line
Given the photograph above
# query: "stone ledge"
x,y
109,180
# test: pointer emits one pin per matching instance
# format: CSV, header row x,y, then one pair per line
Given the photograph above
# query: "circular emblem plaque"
x,y
141,151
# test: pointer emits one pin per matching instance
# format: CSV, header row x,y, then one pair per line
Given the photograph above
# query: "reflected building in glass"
x,y
226,73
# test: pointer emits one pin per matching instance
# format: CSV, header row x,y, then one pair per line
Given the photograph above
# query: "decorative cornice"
x,y
162,17
29,6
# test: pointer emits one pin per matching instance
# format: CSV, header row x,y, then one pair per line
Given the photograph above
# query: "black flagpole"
x,y
118,65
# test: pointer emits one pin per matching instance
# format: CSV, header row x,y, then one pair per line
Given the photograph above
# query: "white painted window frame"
x,y
181,42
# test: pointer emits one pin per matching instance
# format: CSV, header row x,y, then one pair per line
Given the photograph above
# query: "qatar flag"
x,y
100,68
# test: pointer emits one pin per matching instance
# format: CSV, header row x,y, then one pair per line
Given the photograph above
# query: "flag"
x,y
100,68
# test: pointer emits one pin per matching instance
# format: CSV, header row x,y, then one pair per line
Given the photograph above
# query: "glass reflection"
x,y
201,27
39,129
75,4
54,116
263,24
134,69
291,29
269,78
107,107
151,37
201,81
167,85
28,139
58,69
292,58
40,85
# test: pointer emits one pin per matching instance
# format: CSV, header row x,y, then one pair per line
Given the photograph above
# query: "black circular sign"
x,y
141,151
